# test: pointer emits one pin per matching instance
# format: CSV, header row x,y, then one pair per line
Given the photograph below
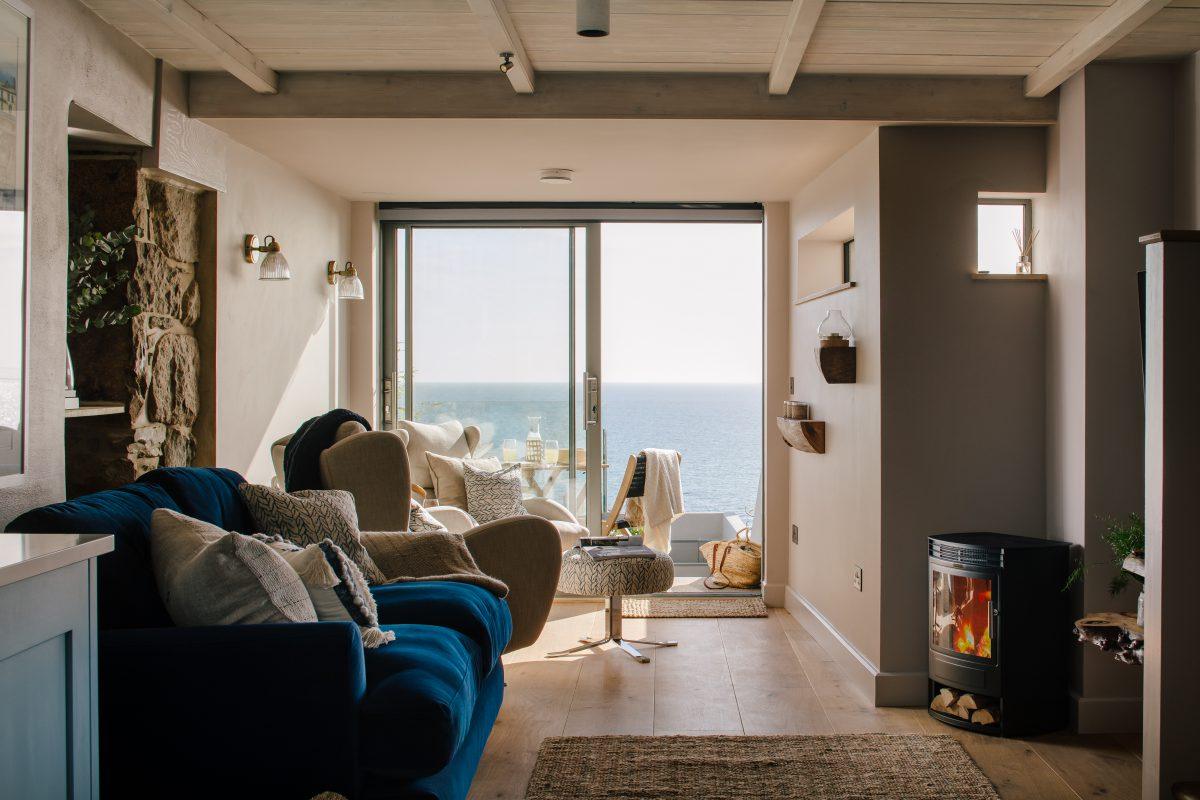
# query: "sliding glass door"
x,y
489,339
513,326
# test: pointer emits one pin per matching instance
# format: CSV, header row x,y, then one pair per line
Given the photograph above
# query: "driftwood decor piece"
x,y
803,434
1117,633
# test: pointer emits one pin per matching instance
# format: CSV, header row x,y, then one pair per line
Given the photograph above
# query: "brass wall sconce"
x,y
349,287
274,266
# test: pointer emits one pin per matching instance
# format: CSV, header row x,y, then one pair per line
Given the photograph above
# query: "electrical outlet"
x,y
857,579
795,535
791,385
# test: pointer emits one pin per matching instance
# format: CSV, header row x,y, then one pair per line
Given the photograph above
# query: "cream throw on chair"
x,y
662,500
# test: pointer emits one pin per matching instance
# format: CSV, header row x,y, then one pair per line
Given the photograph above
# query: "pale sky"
x,y
682,303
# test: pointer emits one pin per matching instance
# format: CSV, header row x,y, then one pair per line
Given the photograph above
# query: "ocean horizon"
x,y
716,426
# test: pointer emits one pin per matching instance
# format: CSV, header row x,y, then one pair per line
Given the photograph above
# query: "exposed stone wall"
x,y
152,364
165,396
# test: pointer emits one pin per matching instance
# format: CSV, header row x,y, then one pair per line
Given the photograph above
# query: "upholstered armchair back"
x,y
372,466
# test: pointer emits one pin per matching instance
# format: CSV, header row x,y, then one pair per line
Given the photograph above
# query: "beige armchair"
x,y
524,552
453,440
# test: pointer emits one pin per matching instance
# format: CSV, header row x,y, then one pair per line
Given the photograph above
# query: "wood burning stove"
x,y
998,632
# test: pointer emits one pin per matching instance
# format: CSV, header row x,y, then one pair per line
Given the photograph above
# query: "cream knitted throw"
x,y
663,499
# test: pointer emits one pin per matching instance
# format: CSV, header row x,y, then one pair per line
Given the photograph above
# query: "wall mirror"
x,y
14,123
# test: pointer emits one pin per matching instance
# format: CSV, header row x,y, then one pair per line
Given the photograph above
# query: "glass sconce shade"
x,y
274,268
349,287
835,330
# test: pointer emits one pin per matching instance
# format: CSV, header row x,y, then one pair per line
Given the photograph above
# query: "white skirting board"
x,y
1106,714
888,689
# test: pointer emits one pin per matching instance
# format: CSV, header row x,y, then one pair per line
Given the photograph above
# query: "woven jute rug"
x,y
858,766
650,607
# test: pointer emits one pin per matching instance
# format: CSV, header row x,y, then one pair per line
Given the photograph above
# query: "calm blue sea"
x,y
717,427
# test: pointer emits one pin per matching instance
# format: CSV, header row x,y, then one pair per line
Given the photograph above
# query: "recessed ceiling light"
x,y
556,175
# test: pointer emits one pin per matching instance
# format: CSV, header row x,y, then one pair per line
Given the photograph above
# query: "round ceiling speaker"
x,y
556,175
591,18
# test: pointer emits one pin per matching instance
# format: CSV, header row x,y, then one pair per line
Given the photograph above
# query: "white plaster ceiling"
x,y
499,160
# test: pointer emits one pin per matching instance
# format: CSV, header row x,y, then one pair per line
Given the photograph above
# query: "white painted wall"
x,y
277,342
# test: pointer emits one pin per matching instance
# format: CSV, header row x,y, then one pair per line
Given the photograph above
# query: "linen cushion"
x,y
421,693
335,585
309,517
493,495
471,610
208,576
444,438
449,486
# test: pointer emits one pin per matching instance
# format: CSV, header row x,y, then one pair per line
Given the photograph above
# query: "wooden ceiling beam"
x,y
797,31
1108,28
502,33
204,34
606,95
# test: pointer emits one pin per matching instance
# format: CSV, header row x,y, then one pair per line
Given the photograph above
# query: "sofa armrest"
x,y
524,553
549,509
455,519
171,698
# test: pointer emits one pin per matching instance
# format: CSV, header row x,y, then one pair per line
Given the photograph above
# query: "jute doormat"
x,y
859,766
661,607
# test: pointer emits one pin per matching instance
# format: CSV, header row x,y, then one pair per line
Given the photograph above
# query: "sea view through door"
x,y
492,327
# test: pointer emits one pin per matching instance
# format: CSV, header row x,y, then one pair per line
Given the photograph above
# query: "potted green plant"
x,y
1125,537
91,276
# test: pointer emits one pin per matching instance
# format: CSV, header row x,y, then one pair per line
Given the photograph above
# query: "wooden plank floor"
x,y
751,676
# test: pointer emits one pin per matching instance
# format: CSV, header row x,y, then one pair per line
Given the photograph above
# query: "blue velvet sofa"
x,y
278,711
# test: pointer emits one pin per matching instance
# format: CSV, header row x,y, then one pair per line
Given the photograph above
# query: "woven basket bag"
x,y
734,563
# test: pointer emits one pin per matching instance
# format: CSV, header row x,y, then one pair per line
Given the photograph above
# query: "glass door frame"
x,y
992,576
393,217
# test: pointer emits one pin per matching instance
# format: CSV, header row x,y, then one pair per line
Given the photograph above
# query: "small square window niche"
x,y
999,251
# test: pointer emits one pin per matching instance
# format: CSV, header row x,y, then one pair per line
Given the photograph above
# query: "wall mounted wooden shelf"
x,y
803,434
838,364
94,408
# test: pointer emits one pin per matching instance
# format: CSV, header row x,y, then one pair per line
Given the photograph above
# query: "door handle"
x,y
591,390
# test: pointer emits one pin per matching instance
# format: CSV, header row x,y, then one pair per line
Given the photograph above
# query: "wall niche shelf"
x,y
1037,277
803,434
95,408
841,287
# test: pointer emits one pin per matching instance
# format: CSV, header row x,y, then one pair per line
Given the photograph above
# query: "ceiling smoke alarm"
x,y
556,175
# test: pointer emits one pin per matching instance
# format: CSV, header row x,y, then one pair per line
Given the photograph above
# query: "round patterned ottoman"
x,y
612,578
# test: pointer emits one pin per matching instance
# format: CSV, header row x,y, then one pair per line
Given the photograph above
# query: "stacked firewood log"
x,y
973,708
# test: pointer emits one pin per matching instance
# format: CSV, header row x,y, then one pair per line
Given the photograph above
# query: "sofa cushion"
x,y
444,438
463,607
127,594
449,485
421,692
310,516
208,576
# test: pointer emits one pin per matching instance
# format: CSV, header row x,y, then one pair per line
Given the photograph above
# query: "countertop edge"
x,y
39,565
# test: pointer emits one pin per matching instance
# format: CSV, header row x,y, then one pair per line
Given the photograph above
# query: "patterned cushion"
x,y
493,495
310,517
449,486
208,576
421,521
335,584
583,575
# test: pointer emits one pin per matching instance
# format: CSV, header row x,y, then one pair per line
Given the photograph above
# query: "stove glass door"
x,y
961,616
